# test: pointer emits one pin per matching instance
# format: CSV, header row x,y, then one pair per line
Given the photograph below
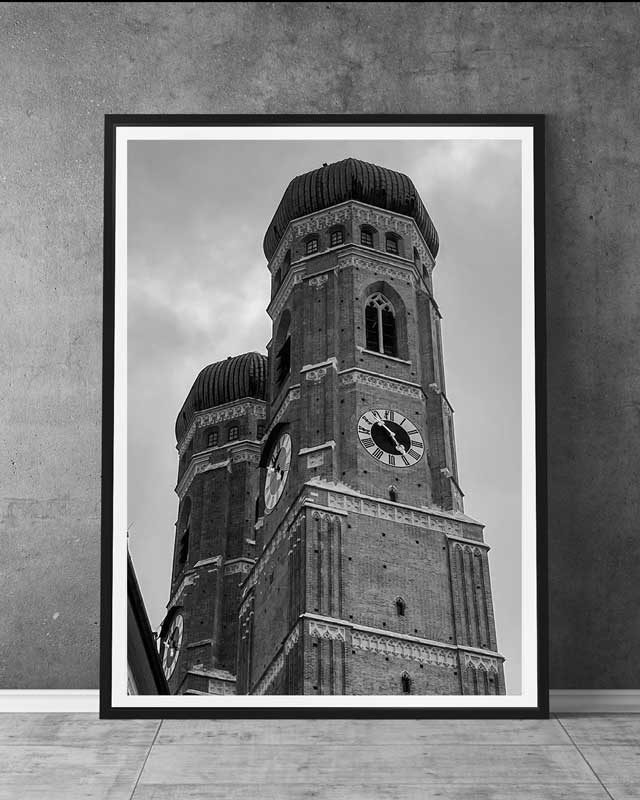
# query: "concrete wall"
x,y
63,66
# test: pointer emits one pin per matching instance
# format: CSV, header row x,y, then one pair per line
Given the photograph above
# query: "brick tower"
x,y
369,578
218,431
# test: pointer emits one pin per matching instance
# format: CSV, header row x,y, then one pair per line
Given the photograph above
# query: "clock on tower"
x,y
369,578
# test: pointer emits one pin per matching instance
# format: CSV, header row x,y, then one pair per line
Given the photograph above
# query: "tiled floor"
x,y
67,757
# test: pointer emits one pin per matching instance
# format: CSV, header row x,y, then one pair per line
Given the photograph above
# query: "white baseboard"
x,y
50,701
598,701
77,702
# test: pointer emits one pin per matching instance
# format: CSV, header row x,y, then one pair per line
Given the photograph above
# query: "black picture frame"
x,y
114,123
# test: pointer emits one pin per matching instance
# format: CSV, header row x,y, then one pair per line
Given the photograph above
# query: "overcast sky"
x,y
198,287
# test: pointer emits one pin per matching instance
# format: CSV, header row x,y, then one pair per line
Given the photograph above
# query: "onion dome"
x,y
350,179
224,382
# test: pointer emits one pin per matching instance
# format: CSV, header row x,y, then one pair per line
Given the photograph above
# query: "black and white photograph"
x,y
299,520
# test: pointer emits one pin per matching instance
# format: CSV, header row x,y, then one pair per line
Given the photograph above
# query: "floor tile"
x,y
602,729
74,729
69,772
362,732
448,765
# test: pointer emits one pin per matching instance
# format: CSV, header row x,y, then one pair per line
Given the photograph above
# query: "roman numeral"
x,y
416,443
414,454
367,442
388,415
392,461
362,429
377,454
406,460
412,431
375,414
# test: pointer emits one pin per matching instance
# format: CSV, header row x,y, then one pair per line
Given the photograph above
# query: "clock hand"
x,y
401,448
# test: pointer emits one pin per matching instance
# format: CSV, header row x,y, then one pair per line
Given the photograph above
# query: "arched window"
x,y
366,235
336,237
212,438
393,494
184,533
401,606
406,683
311,246
286,262
233,433
416,257
392,244
260,432
380,325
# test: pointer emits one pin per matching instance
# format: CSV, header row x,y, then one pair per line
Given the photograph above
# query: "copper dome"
x,y
350,179
224,382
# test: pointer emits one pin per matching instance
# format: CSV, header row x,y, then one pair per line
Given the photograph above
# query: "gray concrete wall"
x,y
63,66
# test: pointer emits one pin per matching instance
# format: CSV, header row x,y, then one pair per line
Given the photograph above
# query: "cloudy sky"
x,y
198,287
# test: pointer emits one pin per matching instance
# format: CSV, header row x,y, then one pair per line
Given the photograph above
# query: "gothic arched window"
x,y
212,438
233,433
406,683
380,325
311,246
393,494
401,606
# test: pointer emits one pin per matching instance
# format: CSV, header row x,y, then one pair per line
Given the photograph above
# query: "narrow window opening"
x,y
406,683
212,438
283,361
401,606
311,246
260,432
233,433
393,494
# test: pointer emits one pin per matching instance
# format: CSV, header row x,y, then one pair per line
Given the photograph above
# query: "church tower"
x,y
218,431
370,579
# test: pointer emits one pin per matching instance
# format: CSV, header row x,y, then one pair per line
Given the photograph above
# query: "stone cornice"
x,y
222,413
396,385
292,394
341,496
318,221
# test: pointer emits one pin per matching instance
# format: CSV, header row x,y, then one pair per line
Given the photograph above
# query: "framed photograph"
x,y
292,523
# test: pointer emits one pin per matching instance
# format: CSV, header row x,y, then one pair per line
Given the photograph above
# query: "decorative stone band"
x,y
389,384
461,541
292,394
247,451
215,561
394,512
238,565
362,214
316,372
221,414
294,277
319,281
374,264
327,630
189,579
481,661
199,463
441,656
274,669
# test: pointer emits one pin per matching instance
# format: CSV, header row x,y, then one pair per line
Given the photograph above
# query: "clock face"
x,y
172,646
390,438
277,471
